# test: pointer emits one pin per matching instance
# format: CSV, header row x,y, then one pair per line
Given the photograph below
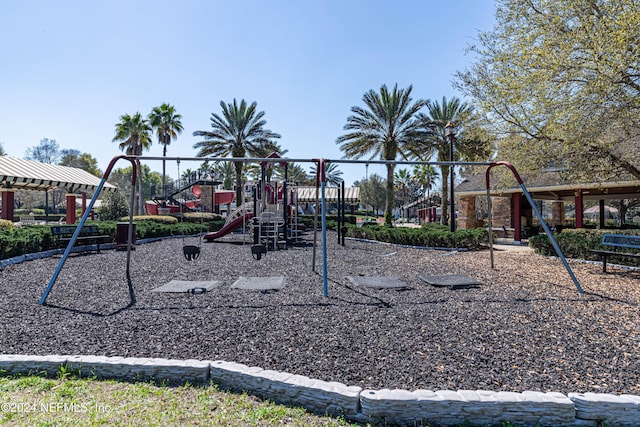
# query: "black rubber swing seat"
x,y
191,253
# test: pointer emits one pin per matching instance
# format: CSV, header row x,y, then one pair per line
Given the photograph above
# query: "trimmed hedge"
x,y
576,243
16,241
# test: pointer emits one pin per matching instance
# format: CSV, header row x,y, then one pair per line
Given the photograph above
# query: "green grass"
x,y
70,401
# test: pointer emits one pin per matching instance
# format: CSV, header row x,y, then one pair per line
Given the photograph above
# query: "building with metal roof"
x,y
21,174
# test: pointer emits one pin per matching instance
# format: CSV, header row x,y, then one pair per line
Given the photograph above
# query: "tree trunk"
x,y
444,207
239,186
388,211
164,174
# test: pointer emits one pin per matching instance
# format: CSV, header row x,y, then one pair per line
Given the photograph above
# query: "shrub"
x,y
576,243
114,206
6,225
162,219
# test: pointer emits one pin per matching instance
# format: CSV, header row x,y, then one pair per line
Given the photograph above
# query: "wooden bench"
x,y
88,234
617,241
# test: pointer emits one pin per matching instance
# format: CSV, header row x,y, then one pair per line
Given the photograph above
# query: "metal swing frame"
x,y
190,252
321,163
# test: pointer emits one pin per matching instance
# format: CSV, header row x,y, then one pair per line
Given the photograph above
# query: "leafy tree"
x,y
168,125
148,180
48,151
385,127
560,82
373,192
75,159
134,134
467,145
114,206
333,176
2,152
238,132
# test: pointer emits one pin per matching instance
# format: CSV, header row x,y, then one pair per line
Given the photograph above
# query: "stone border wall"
x,y
397,407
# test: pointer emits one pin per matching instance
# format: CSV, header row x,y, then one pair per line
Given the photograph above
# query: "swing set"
x,y
192,252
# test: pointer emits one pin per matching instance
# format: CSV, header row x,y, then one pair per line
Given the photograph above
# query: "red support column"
x,y
8,202
517,223
71,208
579,208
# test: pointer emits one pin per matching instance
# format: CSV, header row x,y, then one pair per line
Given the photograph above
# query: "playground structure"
x,y
195,192
270,214
262,241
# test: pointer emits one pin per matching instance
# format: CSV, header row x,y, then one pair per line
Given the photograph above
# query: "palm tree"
x,y
439,115
402,180
167,124
225,170
386,127
332,176
238,132
134,134
425,177
296,174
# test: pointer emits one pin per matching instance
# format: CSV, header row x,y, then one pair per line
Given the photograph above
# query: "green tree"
x,y
237,132
373,192
168,125
226,171
2,152
296,174
402,182
134,135
425,176
75,159
148,181
386,127
560,83
114,206
466,146
332,175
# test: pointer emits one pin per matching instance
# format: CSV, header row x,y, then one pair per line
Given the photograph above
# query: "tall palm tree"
x,y
168,125
332,176
437,118
134,134
402,180
238,132
425,177
386,127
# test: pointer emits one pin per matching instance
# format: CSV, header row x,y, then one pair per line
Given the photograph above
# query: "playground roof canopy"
x,y
308,194
31,175
551,187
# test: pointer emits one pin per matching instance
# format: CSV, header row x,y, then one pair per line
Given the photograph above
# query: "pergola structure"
x,y
511,210
20,174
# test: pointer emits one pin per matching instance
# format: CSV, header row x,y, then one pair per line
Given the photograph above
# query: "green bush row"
x,y
434,236
37,238
576,243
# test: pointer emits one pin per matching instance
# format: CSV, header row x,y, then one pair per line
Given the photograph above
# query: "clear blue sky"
x,y
70,69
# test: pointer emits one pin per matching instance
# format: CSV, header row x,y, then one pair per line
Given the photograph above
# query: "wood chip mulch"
x,y
525,328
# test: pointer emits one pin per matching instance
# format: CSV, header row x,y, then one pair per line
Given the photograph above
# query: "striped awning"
x,y
30,175
308,194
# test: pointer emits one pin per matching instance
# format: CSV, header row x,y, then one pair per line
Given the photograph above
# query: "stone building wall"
x,y
467,213
501,212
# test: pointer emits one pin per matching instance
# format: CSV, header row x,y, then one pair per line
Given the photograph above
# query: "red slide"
x,y
236,223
